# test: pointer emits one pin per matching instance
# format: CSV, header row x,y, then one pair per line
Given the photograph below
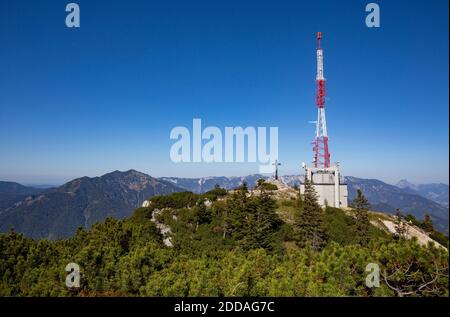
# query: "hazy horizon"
x,y
63,180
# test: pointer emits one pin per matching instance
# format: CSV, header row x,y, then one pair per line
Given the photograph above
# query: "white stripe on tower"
x,y
320,65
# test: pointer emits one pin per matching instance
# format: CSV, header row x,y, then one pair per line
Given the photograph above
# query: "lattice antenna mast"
x,y
321,154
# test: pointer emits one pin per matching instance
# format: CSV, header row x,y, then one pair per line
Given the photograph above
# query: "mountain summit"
x,y
406,184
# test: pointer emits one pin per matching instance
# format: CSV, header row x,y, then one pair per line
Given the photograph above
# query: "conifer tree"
x,y
309,224
299,200
361,206
254,220
202,215
238,212
400,227
266,221
246,233
427,224
260,182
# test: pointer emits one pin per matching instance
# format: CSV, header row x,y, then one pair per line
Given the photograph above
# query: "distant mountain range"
x,y
437,192
57,212
201,185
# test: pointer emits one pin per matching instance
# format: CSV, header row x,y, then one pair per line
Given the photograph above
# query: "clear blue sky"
x,y
87,101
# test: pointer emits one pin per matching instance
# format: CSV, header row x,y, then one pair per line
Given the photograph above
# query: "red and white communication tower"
x,y
321,154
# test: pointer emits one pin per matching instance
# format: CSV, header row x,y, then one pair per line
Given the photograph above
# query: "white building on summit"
x,y
328,185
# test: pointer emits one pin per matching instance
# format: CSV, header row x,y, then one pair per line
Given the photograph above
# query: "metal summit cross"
x,y
276,168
